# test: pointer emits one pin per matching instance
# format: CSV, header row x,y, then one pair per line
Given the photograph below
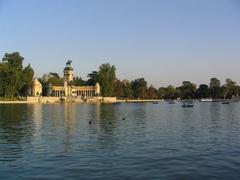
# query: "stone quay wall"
x,y
43,99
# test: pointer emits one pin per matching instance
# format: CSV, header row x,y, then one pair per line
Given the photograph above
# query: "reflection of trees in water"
x,y
16,130
105,124
215,110
222,116
139,114
107,118
59,125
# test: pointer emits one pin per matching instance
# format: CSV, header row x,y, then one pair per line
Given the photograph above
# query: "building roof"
x,y
68,68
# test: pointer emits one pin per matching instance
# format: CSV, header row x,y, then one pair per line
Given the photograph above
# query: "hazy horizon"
x,y
166,42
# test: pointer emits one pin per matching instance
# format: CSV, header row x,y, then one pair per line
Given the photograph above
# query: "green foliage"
x,y
56,81
14,80
152,93
187,90
170,92
237,90
161,92
48,80
27,74
53,79
14,60
93,78
77,81
230,89
139,88
119,91
215,88
107,79
127,90
53,74
27,77
202,91
123,89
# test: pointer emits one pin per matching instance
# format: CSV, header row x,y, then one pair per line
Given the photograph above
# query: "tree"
x,y
127,89
161,92
13,71
202,91
56,81
107,79
78,81
215,88
3,79
170,92
230,88
49,80
187,90
27,77
13,78
14,60
119,90
93,78
237,90
139,88
152,93
53,74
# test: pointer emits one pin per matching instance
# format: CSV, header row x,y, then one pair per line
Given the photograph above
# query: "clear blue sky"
x,y
165,41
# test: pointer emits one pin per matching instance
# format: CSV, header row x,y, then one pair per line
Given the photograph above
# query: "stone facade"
x,y
76,91
68,90
36,88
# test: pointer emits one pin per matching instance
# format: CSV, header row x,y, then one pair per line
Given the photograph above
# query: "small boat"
x,y
187,103
225,101
155,102
206,100
171,101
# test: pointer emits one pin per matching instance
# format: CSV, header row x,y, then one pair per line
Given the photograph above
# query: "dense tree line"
x,y
15,81
189,90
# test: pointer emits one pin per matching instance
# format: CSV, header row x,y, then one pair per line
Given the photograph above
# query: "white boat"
x,y
206,100
187,103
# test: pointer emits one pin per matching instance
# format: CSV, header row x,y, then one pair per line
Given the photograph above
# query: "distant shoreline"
x,y
14,102
90,102
102,102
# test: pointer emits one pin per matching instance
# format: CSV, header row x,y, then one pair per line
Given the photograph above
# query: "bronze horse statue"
x,y
68,63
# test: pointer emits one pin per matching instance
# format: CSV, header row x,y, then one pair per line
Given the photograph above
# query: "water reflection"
x,y
36,115
107,118
15,130
153,141
214,111
69,124
69,118
140,113
105,123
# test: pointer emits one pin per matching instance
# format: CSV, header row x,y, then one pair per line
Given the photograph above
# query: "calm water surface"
x,y
124,141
